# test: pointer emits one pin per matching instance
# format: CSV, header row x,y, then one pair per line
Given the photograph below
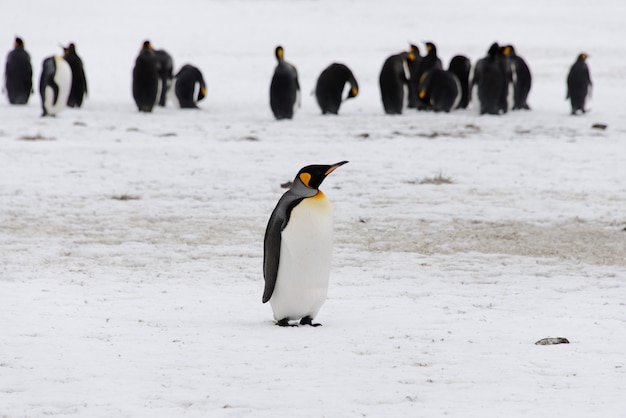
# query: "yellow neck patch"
x,y
305,178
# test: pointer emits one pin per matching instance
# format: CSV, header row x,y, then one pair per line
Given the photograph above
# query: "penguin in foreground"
x,y
578,84
393,81
189,87
18,74
54,85
298,249
284,88
330,85
166,73
521,77
146,78
79,82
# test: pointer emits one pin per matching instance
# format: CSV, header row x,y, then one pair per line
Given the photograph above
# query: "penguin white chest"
x,y
63,79
305,258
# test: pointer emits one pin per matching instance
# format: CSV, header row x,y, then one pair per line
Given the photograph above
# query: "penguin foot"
x,y
285,323
307,320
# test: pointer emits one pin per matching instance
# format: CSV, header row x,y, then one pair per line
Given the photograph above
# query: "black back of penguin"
x,y
393,82
189,86
18,74
166,73
78,90
330,86
430,61
284,88
578,84
491,81
440,90
146,79
461,66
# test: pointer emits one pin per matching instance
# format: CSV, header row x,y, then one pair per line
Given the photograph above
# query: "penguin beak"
x,y
334,167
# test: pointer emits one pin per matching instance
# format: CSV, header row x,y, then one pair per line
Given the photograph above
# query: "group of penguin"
x,y
63,81
154,79
410,80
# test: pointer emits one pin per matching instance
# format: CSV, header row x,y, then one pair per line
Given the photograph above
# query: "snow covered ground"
x,y
131,244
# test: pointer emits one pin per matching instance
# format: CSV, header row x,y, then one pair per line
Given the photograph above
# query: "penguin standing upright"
x,y
414,77
79,82
298,248
146,78
189,87
461,67
491,81
18,74
579,84
166,73
54,85
393,81
330,85
521,77
284,88
440,90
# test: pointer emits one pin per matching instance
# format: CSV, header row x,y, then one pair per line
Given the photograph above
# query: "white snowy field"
x,y
131,244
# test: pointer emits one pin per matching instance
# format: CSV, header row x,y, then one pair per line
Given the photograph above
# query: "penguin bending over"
x,y
330,85
18,74
440,90
393,81
521,77
579,84
54,85
166,73
79,81
189,87
461,66
284,88
298,248
146,82
429,62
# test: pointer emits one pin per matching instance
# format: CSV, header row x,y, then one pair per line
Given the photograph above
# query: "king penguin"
x,y
393,81
461,66
166,73
284,88
440,90
54,84
18,74
79,82
330,86
146,82
298,248
189,87
579,84
492,82
522,79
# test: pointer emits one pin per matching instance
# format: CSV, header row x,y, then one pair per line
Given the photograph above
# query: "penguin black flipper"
x,y
47,79
271,255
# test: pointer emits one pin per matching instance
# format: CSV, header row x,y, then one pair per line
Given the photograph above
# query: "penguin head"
x,y
431,48
201,93
280,53
70,49
312,176
354,90
18,42
493,49
583,56
508,51
146,45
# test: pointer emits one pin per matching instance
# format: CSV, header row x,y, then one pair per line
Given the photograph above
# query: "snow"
x,y
131,262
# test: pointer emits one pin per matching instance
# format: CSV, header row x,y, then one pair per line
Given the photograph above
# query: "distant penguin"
x,y
284,88
461,67
579,84
298,248
79,81
521,77
18,74
491,82
440,90
393,81
166,73
414,76
330,85
189,87
430,61
54,85
146,79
